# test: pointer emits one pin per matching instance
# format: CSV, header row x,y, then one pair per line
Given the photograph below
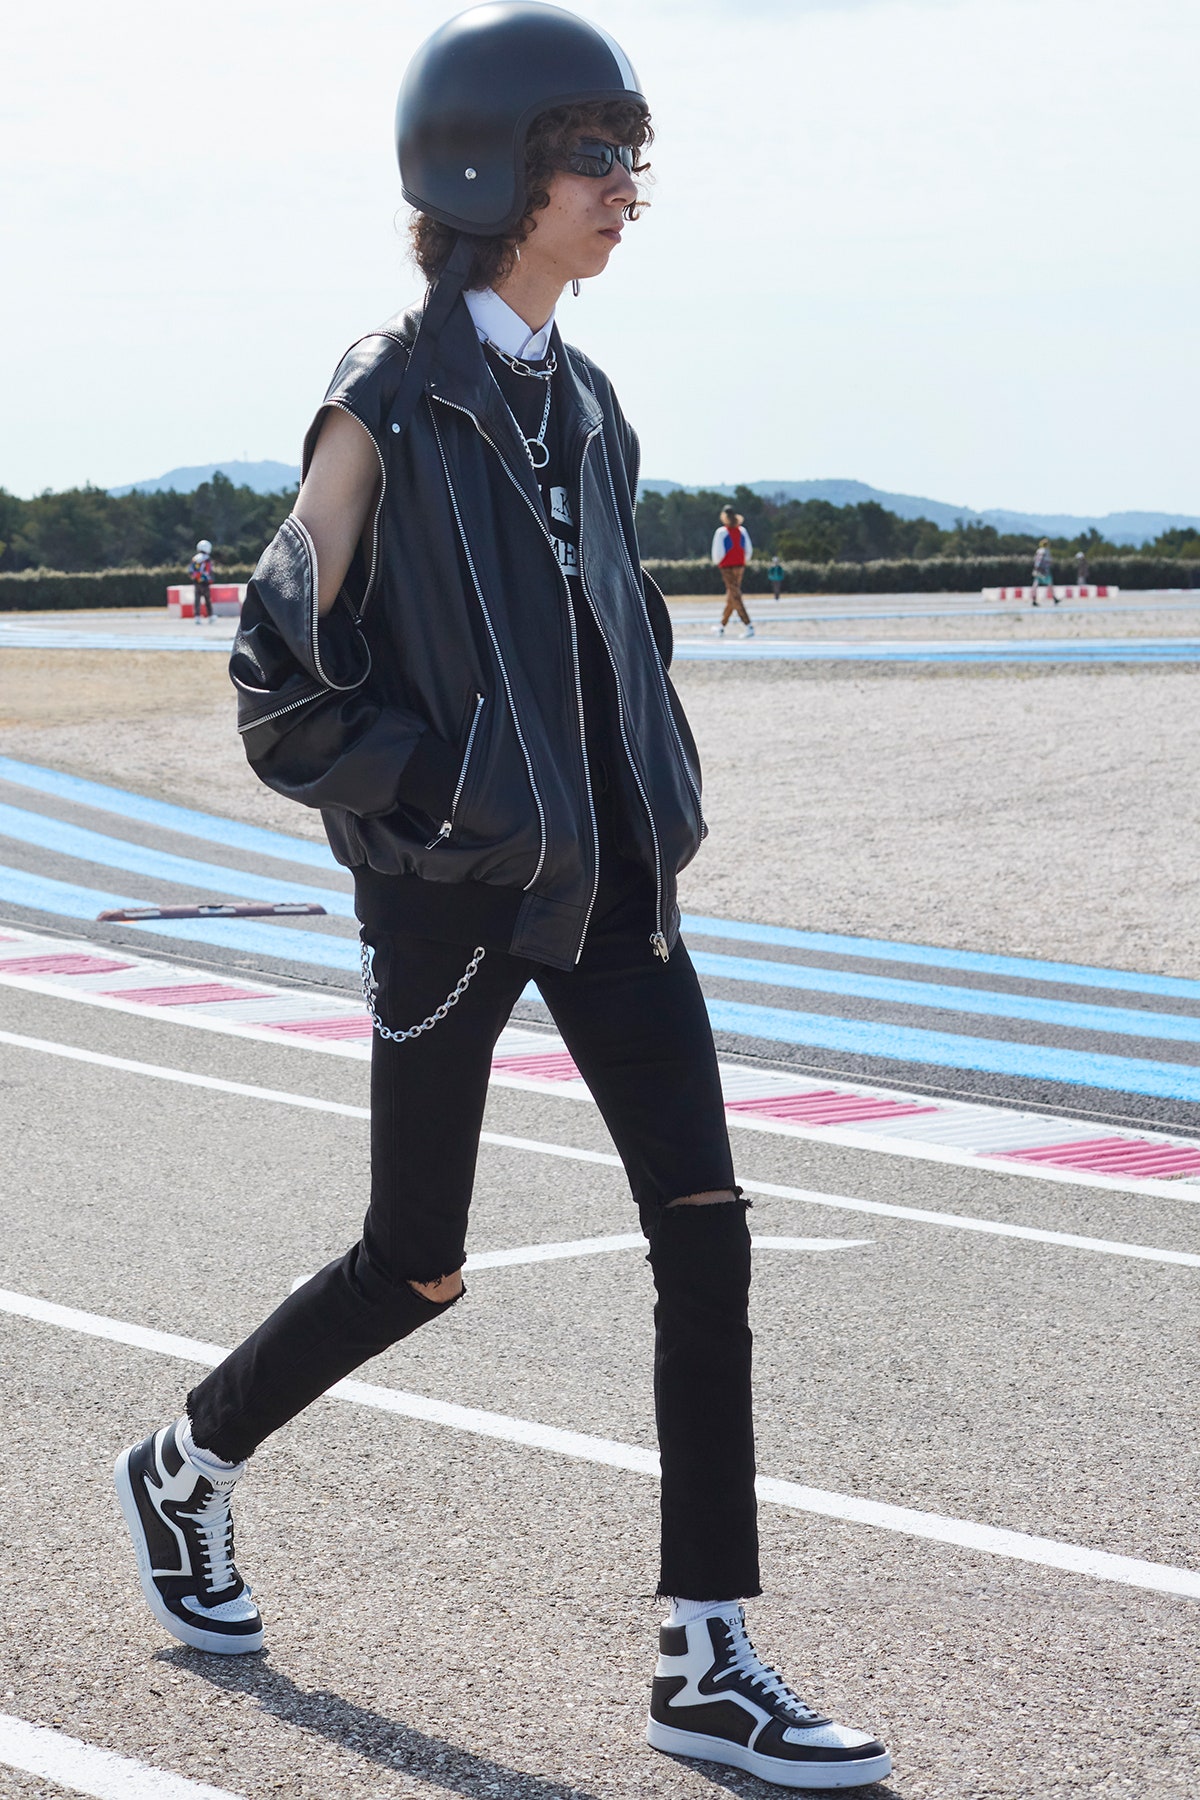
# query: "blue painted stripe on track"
x,y
24,638
67,901
214,878
159,865
1024,968
209,826
1075,650
946,1050
941,1049
1124,1021
259,841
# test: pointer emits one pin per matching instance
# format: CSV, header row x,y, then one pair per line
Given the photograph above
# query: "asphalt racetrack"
x,y
976,1183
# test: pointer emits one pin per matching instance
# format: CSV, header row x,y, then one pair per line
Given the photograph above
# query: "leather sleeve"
x,y
309,726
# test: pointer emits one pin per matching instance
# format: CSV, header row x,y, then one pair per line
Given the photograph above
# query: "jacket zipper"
x,y
574,661
512,704
657,937
304,700
448,824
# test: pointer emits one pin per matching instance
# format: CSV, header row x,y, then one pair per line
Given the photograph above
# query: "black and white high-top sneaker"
x,y
182,1531
712,1698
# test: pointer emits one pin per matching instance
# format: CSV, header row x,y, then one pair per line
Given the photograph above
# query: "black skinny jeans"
x,y
639,1033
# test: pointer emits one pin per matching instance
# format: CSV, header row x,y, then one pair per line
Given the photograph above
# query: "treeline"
x,y
88,529
681,525
33,590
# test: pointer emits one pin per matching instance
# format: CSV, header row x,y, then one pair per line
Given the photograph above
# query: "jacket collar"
x,y
460,377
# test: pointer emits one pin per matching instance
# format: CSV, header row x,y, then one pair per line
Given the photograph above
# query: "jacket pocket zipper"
x,y
447,825
316,692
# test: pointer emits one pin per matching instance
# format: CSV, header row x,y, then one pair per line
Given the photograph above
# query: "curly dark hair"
x,y
550,136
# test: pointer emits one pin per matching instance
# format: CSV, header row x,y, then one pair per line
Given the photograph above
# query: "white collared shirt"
x,y
496,323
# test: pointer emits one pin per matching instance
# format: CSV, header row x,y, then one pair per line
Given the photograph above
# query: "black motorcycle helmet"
x,y
471,93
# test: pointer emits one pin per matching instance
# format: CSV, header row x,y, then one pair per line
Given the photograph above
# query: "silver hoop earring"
x,y
575,287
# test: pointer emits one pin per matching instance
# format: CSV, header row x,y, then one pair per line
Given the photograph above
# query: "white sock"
x,y
203,1461
686,1612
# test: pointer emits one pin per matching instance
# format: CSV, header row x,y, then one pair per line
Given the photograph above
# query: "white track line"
x,y
70,1763
185,1076
843,1135
633,1240
534,1146
536,1253
1074,1559
880,1208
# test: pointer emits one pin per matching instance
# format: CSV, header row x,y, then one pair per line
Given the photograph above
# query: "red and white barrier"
x,y
1057,593
226,600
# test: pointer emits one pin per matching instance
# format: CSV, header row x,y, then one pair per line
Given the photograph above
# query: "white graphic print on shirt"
x,y
565,545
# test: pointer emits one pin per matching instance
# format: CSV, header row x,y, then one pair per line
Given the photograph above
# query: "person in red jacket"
x,y
731,551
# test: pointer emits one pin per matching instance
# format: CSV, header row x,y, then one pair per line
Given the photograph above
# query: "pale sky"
x,y
948,247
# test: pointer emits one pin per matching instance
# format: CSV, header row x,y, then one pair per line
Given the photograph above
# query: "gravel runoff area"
x,y
1031,811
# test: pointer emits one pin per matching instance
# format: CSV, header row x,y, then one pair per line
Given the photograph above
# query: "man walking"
x,y
731,551
451,649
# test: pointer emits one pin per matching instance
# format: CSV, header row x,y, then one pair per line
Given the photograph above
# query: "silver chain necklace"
x,y
546,373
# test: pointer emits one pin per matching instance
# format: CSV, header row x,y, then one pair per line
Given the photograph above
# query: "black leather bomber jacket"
x,y
454,634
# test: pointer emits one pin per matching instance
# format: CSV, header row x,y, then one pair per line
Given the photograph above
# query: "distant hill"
x,y
263,477
1130,528
1119,528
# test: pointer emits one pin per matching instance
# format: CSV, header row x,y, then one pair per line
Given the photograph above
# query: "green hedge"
x,y
934,575
44,590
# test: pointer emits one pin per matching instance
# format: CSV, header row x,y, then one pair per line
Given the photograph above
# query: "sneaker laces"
x,y
744,1660
213,1520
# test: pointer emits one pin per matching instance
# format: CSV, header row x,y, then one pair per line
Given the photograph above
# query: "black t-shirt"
x,y
526,399
475,910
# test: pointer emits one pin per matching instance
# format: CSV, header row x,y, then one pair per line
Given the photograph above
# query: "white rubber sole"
x,y
767,1768
194,1636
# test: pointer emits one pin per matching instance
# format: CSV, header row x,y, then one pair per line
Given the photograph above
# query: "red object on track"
x,y
253,910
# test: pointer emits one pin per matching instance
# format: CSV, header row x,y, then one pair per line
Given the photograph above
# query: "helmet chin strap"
x,y
438,303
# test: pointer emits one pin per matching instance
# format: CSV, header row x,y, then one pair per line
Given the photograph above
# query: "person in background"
x,y
1081,568
775,577
1043,571
731,551
200,572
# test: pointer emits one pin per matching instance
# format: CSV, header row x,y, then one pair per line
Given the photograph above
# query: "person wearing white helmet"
x,y
451,649
200,573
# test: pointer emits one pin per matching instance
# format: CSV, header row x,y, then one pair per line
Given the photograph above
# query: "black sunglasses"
x,y
593,157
